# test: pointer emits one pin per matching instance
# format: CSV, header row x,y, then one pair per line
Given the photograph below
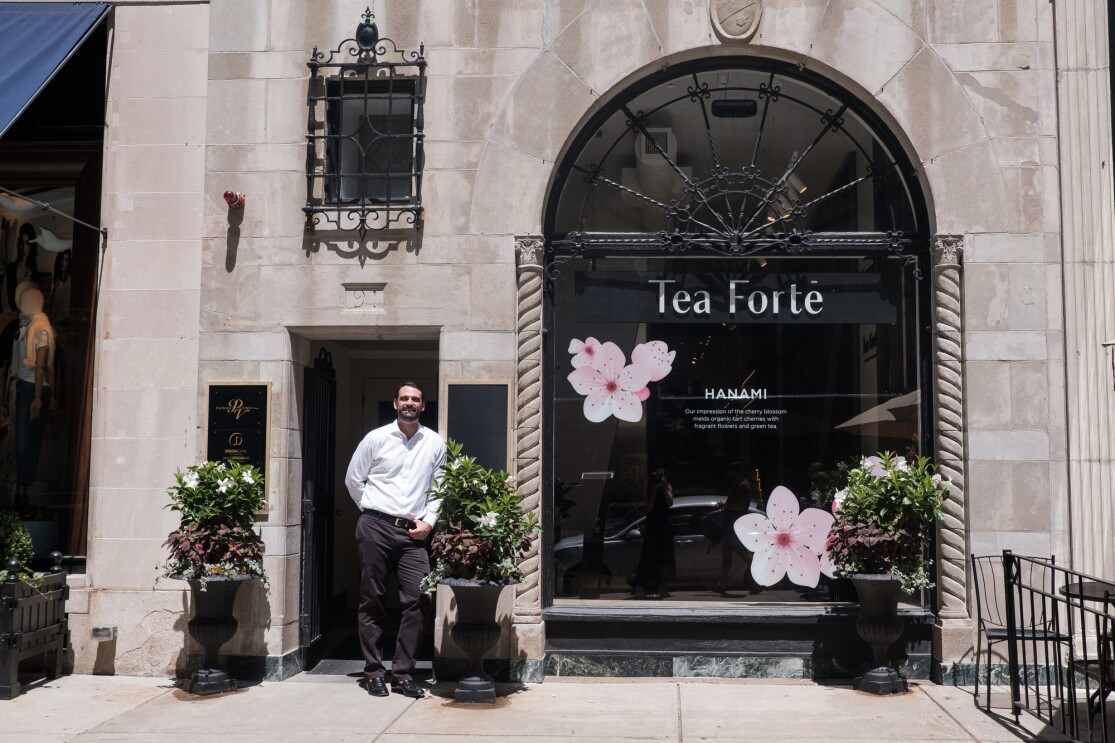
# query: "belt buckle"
x,y
399,521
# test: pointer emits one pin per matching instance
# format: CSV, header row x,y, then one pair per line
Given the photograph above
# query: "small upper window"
x,y
370,157
364,139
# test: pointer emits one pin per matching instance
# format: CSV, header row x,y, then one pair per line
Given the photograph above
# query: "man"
x,y
389,475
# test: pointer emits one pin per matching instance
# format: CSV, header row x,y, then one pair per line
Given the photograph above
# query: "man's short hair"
x,y
415,385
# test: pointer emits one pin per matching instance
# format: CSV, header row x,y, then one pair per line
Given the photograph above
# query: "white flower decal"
x,y
786,541
612,386
224,484
191,480
488,520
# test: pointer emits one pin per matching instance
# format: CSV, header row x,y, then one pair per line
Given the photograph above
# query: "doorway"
x,y
366,375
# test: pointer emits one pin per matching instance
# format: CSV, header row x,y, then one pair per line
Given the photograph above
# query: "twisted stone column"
x,y
952,564
528,415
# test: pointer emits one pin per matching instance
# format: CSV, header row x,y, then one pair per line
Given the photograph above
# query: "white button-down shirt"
x,y
390,473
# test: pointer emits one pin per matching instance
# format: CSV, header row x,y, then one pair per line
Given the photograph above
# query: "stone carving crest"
x,y
528,250
948,249
736,19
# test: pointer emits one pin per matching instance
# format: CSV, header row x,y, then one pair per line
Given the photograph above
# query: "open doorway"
x,y
364,377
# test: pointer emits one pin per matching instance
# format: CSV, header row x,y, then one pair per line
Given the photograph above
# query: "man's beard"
x,y
408,414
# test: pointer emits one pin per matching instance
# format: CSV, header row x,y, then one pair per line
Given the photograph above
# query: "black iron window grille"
x,y
735,157
364,140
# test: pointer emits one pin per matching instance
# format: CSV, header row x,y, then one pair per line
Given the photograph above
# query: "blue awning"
x,y
36,39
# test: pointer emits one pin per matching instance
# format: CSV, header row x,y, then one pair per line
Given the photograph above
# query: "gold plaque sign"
x,y
238,423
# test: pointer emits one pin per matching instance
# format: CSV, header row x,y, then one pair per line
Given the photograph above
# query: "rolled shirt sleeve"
x,y
434,504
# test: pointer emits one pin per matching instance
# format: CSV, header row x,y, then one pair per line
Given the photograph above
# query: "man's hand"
x,y
36,406
420,531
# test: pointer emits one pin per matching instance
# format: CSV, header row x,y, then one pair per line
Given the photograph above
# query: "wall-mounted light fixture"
x,y
1111,344
103,634
234,200
735,108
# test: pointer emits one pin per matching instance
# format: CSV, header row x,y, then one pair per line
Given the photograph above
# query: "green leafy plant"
x,y
885,516
15,543
484,530
217,502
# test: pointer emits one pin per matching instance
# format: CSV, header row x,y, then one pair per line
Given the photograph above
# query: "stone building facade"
x,y
1002,108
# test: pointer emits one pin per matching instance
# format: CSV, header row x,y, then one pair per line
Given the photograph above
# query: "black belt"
x,y
396,520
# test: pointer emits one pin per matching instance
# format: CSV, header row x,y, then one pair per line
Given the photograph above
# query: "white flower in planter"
x,y
191,480
247,477
488,520
224,484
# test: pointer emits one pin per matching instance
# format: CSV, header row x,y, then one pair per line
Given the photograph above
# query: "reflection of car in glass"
x,y
697,564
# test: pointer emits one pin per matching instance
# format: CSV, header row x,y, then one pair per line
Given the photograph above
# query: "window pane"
x,y
376,145
735,377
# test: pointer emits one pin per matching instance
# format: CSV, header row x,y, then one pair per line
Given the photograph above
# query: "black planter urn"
x,y
879,626
212,625
475,631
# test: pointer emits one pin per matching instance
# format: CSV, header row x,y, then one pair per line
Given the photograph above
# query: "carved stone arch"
x,y
962,185
566,84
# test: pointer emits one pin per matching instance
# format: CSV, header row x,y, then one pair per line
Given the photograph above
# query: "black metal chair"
x,y
1037,619
1100,667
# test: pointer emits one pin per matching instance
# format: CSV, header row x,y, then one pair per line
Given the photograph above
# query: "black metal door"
x,y
319,443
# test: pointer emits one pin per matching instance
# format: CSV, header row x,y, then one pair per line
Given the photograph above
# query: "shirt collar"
x,y
399,432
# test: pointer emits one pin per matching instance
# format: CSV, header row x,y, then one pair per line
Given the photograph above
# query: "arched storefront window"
x,y
734,307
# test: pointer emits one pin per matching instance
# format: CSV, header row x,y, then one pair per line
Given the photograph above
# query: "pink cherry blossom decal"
x,y
612,386
786,541
655,356
584,351
611,390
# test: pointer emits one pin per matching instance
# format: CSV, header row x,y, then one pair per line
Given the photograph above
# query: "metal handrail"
x,y
1064,688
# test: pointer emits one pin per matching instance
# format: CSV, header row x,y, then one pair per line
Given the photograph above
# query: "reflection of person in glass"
x,y
60,296
656,558
735,505
912,449
16,270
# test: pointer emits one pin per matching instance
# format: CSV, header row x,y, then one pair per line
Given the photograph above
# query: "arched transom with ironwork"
x,y
735,156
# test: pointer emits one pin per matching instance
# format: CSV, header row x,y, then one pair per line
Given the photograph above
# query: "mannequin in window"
x,y
32,371
12,334
14,324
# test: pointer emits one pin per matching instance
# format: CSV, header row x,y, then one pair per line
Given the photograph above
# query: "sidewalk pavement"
x,y
305,708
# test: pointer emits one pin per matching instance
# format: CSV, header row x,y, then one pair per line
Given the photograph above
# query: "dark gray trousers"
x,y
384,549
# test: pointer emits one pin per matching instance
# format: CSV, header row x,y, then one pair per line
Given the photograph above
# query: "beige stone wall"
x,y
968,87
1084,75
145,385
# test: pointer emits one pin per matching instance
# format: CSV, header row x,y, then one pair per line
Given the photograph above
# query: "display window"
x,y
691,393
736,313
46,307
